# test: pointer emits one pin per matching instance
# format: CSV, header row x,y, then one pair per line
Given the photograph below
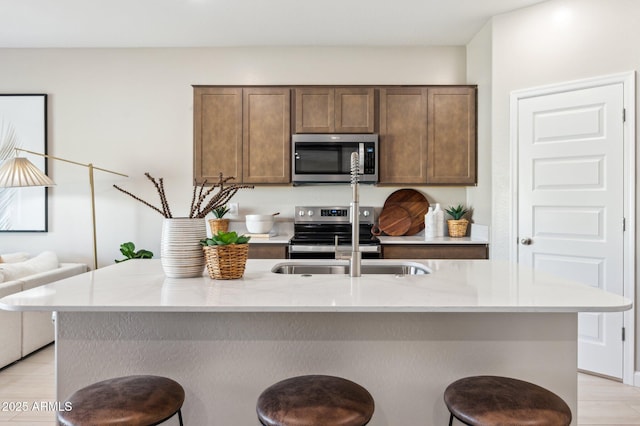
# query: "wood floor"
x,y
27,388
606,402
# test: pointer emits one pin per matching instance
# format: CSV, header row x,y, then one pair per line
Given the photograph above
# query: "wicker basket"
x,y
457,228
218,225
226,262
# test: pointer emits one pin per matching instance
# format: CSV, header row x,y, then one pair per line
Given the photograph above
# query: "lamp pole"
x,y
91,168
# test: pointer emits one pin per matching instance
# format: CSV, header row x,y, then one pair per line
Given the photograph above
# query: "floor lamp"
x,y
19,172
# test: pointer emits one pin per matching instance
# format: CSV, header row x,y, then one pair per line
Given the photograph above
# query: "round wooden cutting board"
x,y
394,220
414,202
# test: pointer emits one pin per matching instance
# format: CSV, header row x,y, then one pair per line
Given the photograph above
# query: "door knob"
x,y
525,241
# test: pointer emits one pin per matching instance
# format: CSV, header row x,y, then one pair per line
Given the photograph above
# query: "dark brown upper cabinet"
x,y
245,133
403,135
217,113
428,135
451,141
266,135
334,110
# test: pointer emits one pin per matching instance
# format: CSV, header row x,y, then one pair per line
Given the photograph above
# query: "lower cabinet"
x,y
268,251
435,251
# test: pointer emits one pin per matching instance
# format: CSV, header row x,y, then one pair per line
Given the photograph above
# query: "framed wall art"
x,y
23,124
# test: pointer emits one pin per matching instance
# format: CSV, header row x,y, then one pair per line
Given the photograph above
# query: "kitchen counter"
x,y
280,234
452,286
479,234
403,338
273,239
420,240
384,239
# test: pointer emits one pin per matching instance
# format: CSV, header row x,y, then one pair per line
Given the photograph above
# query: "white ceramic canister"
x,y
429,224
439,220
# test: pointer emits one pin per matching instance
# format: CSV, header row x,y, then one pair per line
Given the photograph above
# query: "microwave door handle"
x,y
361,158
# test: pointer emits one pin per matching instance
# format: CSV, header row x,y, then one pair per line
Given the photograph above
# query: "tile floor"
x,y
30,382
24,386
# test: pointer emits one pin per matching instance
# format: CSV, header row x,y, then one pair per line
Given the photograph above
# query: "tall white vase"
x,y
181,254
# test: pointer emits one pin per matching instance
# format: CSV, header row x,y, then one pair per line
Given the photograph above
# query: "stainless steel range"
x,y
317,229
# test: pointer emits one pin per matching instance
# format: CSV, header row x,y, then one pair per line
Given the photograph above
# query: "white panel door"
x,y
571,203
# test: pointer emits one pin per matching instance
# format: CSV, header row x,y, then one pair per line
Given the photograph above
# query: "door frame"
x,y
629,158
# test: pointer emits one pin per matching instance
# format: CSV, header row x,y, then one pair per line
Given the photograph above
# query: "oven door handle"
x,y
293,248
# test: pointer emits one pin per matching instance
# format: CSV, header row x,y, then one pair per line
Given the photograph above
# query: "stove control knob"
x,y
301,213
366,213
310,213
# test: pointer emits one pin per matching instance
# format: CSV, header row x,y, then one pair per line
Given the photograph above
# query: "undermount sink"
x,y
402,268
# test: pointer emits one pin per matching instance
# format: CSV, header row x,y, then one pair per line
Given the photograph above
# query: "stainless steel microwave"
x,y
326,158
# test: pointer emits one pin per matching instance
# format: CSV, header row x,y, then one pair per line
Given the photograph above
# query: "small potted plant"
x,y
458,224
128,250
226,255
218,223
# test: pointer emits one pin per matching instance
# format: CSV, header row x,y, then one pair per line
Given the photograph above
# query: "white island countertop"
x,y
452,286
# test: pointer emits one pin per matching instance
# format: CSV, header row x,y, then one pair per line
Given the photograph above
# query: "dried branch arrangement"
x,y
203,201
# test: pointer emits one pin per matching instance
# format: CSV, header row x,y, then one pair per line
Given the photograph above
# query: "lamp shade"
x,y
20,172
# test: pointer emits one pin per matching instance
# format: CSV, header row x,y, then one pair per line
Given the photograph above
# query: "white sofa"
x,y
24,332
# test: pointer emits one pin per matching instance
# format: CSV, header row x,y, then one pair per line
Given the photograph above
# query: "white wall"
x,y
556,41
479,72
130,110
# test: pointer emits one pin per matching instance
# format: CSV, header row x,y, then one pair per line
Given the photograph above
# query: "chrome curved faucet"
x,y
355,257
355,261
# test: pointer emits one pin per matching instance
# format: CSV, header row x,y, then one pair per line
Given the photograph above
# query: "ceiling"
x,y
200,23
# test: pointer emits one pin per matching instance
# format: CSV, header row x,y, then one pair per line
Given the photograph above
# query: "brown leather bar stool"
x,y
492,400
315,400
129,400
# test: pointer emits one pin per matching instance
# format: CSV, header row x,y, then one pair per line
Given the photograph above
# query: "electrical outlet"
x,y
233,209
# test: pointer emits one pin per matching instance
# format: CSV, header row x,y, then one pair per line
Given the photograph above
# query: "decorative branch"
x,y
196,207
195,203
140,199
199,196
193,196
163,198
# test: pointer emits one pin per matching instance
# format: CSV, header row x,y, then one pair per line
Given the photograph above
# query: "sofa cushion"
x,y
13,257
45,261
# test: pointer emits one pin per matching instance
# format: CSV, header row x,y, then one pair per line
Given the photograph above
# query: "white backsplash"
x,y
281,227
268,199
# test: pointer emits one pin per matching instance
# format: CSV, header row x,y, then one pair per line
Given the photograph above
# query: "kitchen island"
x,y
403,337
